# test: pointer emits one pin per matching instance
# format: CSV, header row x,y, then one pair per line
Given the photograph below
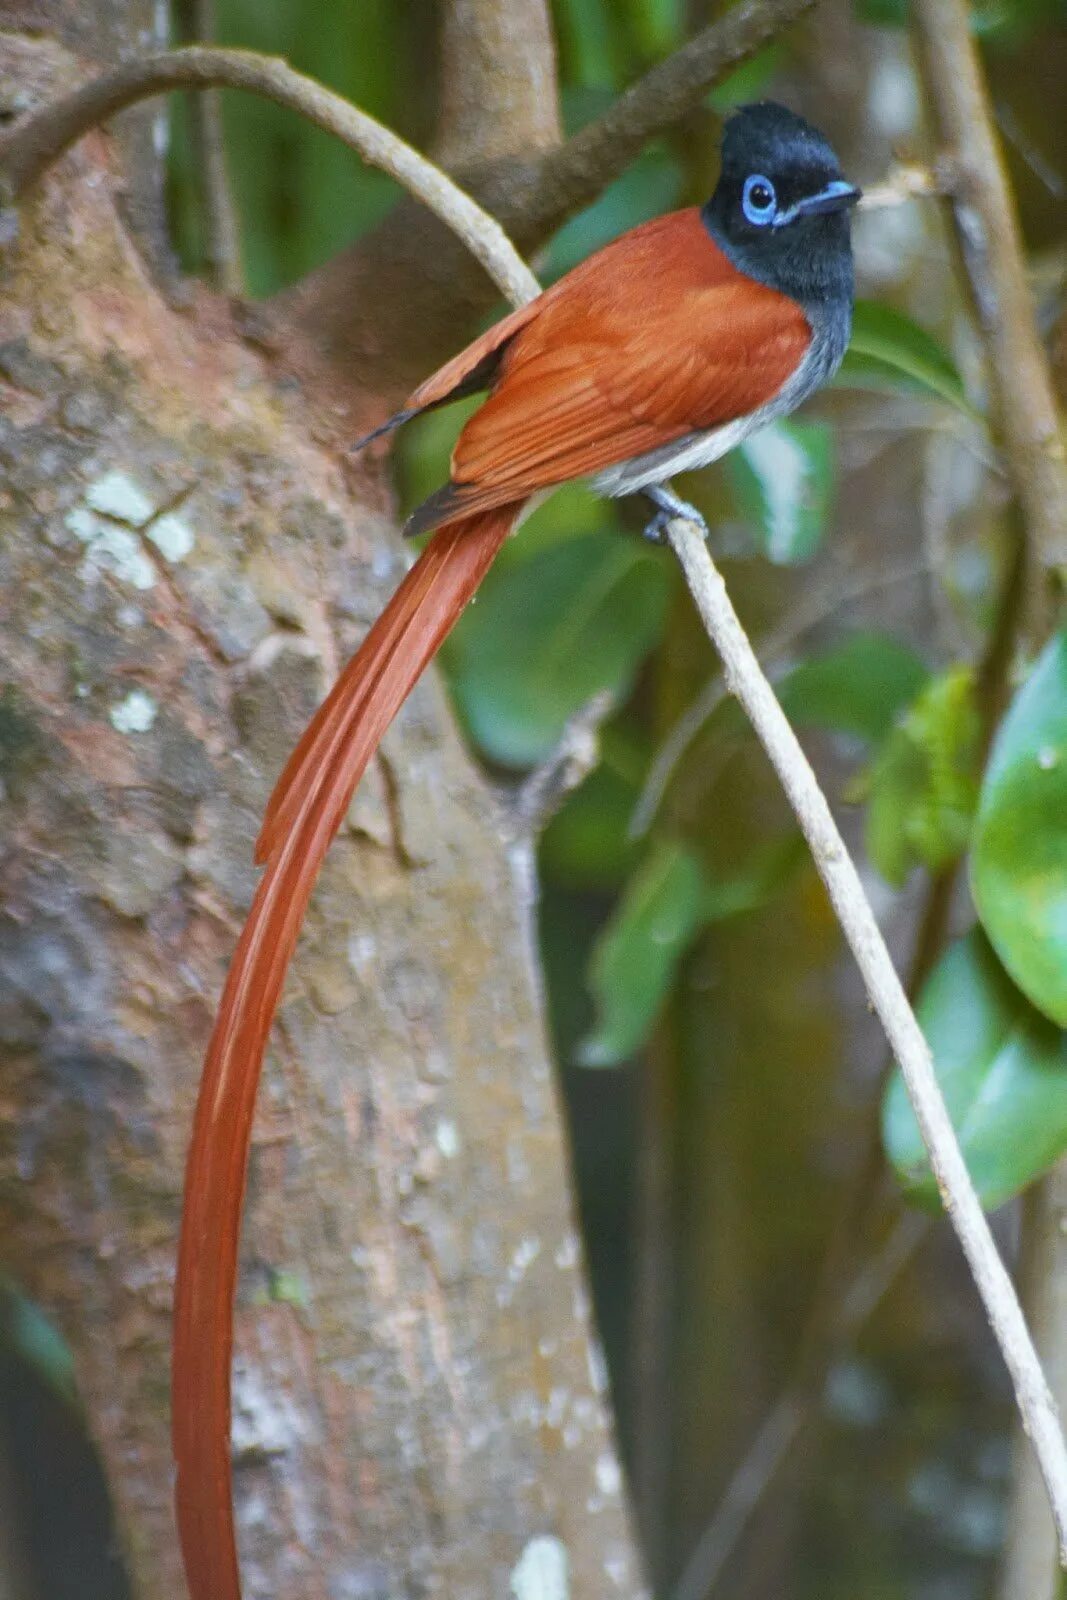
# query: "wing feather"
x,y
636,360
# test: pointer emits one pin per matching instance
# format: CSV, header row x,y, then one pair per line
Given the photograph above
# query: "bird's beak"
x,y
837,196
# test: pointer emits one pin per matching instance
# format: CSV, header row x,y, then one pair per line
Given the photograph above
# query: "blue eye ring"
x,y
758,200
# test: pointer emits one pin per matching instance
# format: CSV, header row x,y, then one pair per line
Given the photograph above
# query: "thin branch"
x,y
811,611
905,181
573,175
835,1314
890,1003
222,232
28,148
531,804
988,233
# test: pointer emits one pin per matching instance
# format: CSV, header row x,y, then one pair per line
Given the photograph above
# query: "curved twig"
x,y
28,148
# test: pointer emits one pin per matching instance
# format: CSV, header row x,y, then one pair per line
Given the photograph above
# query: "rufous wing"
x,y
663,340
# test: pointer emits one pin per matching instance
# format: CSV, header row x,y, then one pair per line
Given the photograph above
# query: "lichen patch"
x,y
542,1571
116,495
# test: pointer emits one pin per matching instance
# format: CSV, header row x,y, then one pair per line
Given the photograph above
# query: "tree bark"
x,y
1031,1568
498,82
100,32
419,1402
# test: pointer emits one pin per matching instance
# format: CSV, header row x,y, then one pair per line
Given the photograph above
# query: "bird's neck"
x,y
812,267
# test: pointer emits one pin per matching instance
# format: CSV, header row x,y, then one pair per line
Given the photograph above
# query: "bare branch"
x,y
1029,1570
988,232
222,233
499,89
37,140
905,181
574,175
532,804
857,920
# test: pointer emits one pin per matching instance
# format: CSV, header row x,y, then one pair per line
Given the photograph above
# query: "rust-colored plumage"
x,y
655,339
342,739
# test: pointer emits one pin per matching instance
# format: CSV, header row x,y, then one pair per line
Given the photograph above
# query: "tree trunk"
x,y
419,1404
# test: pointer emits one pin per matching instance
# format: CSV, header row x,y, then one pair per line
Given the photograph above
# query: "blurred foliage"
x,y
1003,22
551,628
637,956
922,788
703,947
1003,1069
782,480
890,351
860,686
1019,870
31,1338
667,901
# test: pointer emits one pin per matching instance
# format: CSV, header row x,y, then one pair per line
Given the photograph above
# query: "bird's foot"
x,y
669,506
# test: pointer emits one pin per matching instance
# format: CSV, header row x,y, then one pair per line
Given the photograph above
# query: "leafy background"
x,y
723,1078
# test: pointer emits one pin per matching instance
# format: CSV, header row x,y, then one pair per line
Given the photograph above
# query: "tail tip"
x,y
389,426
438,508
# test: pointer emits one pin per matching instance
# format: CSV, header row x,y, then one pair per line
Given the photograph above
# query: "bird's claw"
x,y
656,529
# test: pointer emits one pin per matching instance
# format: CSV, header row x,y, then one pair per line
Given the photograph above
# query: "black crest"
x,y
780,208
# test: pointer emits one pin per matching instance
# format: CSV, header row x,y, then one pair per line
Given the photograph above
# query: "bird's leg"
x,y
668,506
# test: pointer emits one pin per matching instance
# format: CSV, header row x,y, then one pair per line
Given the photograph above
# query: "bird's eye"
x,y
758,199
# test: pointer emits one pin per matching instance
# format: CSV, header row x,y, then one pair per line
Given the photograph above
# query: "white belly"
x,y
684,455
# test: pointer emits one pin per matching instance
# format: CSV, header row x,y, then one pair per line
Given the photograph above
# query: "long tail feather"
x,y
308,807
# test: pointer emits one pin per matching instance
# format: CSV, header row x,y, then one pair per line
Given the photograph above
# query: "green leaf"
x,y
767,870
889,350
924,782
782,477
1019,864
637,955
548,633
883,13
26,1331
667,902
859,687
1002,1068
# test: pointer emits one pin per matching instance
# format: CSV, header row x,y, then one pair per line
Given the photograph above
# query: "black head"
x,y
780,208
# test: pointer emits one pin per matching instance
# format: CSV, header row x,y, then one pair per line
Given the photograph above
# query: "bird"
x,y
655,356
